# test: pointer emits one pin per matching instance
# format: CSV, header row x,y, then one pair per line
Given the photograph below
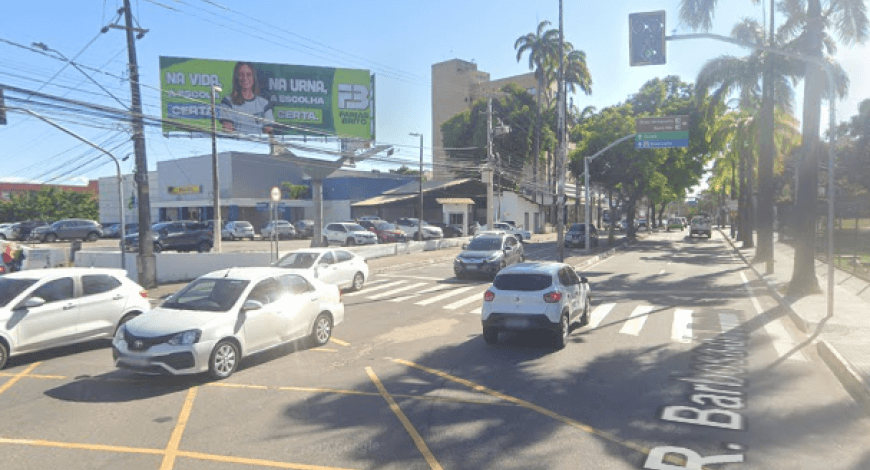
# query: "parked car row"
x,y
41,231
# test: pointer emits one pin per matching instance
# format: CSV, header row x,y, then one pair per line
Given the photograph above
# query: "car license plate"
x,y
471,267
516,323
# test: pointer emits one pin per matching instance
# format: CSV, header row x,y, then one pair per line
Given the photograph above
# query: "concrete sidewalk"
x,y
843,340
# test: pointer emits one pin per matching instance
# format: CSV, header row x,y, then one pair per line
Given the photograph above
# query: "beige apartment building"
x,y
456,84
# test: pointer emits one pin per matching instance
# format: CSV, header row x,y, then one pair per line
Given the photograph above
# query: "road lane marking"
x,y
172,447
636,321
369,289
423,278
728,321
465,301
35,376
779,338
9,383
339,342
432,300
256,462
476,311
80,446
395,291
424,291
681,331
415,436
599,313
661,272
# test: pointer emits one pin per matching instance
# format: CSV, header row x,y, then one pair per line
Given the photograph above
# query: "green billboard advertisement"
x,y
259,98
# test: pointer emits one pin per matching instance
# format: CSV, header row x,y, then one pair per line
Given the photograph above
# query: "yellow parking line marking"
x,y
571,422
232,385
257,462
35,376
80,446
329,390
340,342
324,350
175,440
9,383
415,436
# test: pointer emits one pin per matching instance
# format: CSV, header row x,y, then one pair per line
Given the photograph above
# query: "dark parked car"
x,y
180,235
304,228
576,235
488,254
113,230
68,229
21,230
450,231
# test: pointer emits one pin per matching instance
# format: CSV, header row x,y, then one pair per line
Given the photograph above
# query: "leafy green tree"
x,y
404,170
296,191
51,203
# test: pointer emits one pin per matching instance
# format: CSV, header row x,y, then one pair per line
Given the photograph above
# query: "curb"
x,y
836,363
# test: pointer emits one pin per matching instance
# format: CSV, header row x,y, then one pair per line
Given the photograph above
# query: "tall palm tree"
x,y
539,46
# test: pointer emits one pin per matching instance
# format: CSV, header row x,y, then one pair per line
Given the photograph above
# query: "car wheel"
x,y
584,320
325,241
123,320
203,247
490,335
358,280
93,236
562,332
2,237
519,238
461,275
50,238
322,330
4,354
224,360
350,242
232,237
157,248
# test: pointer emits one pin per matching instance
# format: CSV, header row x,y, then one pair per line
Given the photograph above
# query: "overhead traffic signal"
x,y
647,38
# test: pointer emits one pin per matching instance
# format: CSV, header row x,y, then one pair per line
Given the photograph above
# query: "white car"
x,y
238,230
6,231
522,235
410,226
46,308
701,225
223,316
338,267
348,234
535,296
283,228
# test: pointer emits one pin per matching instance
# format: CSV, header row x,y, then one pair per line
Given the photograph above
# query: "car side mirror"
x,y
583,280
33,302
251,305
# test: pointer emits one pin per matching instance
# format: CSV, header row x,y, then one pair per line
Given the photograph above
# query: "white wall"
x,y
514,207
109,198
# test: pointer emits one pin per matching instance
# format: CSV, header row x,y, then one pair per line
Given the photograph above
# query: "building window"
x,y
456,219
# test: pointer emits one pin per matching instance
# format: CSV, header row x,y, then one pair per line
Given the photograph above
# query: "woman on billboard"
x,y
244,110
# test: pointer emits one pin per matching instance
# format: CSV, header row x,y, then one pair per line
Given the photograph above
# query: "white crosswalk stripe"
x,y
368,289
441,287
459,303
636,321
728,321
681,331
598,314
437,298
476,311
780,339
395,291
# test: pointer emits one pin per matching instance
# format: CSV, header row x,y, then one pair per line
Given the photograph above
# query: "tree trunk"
x,y
750,200
803,278
537,154
741,209
766,157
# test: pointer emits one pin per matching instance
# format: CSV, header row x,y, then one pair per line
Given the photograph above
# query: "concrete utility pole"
x,y
489,164
216,186
563,147
147,266
420,227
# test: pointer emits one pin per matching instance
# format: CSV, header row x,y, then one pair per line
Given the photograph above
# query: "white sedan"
x,y
343,268
214,321
46,308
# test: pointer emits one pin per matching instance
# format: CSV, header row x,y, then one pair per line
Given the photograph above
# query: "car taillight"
x,y
552,297
488,296
143,293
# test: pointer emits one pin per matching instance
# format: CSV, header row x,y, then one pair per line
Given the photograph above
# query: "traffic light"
x,y
647,38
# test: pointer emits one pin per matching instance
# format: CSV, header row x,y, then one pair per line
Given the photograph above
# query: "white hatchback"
x,y
342,268
349,234
223,316
46,308
535,296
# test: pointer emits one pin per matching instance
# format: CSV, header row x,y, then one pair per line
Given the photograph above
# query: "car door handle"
x,y
314,298
118,297
68,306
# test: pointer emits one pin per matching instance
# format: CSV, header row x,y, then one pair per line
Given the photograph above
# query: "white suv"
x,y
701,225
348,234
535,296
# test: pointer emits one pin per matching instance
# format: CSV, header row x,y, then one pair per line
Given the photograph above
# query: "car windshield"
x,y
244,225
578,228
213,295
385,226
485,244
522,282
302,260
12,288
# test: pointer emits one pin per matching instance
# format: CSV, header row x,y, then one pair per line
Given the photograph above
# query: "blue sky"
x,y
396,40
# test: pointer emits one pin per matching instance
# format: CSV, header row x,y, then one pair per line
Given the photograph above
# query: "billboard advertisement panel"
x,y
260,98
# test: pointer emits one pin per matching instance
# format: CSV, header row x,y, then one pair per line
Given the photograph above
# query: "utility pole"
x,y
560,158
489,163
216,185
420,227
147,263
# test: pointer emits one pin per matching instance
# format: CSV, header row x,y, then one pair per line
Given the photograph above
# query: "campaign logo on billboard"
x,y
260,98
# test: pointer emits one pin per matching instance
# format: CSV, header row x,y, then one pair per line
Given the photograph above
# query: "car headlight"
x,y
493,257
185,338
119,335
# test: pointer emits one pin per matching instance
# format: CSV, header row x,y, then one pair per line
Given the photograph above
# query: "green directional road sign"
x,y
662,132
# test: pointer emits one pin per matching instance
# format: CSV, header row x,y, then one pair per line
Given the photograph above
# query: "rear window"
x,y
523,282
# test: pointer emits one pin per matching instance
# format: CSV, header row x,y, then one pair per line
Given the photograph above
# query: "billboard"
x,y
260,98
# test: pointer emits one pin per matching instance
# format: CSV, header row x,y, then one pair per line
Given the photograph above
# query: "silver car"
x,y
223,316
488,254
238,230
46,308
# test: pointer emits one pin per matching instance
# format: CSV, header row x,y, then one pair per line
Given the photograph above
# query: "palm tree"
x,y
539,45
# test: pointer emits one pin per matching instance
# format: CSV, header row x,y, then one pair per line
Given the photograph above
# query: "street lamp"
x,y
214,171
420,226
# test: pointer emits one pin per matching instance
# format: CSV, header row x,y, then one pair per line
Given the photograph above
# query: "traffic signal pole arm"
x,y
832,116
586,161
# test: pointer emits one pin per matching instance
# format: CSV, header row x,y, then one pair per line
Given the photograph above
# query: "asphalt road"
x,y
684,364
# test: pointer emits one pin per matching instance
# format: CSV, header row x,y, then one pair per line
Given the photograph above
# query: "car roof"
x,y
60,272
247,273
534,268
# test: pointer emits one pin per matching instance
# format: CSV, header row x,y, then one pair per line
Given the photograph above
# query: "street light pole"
x,y
420,226
106,152
214,171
